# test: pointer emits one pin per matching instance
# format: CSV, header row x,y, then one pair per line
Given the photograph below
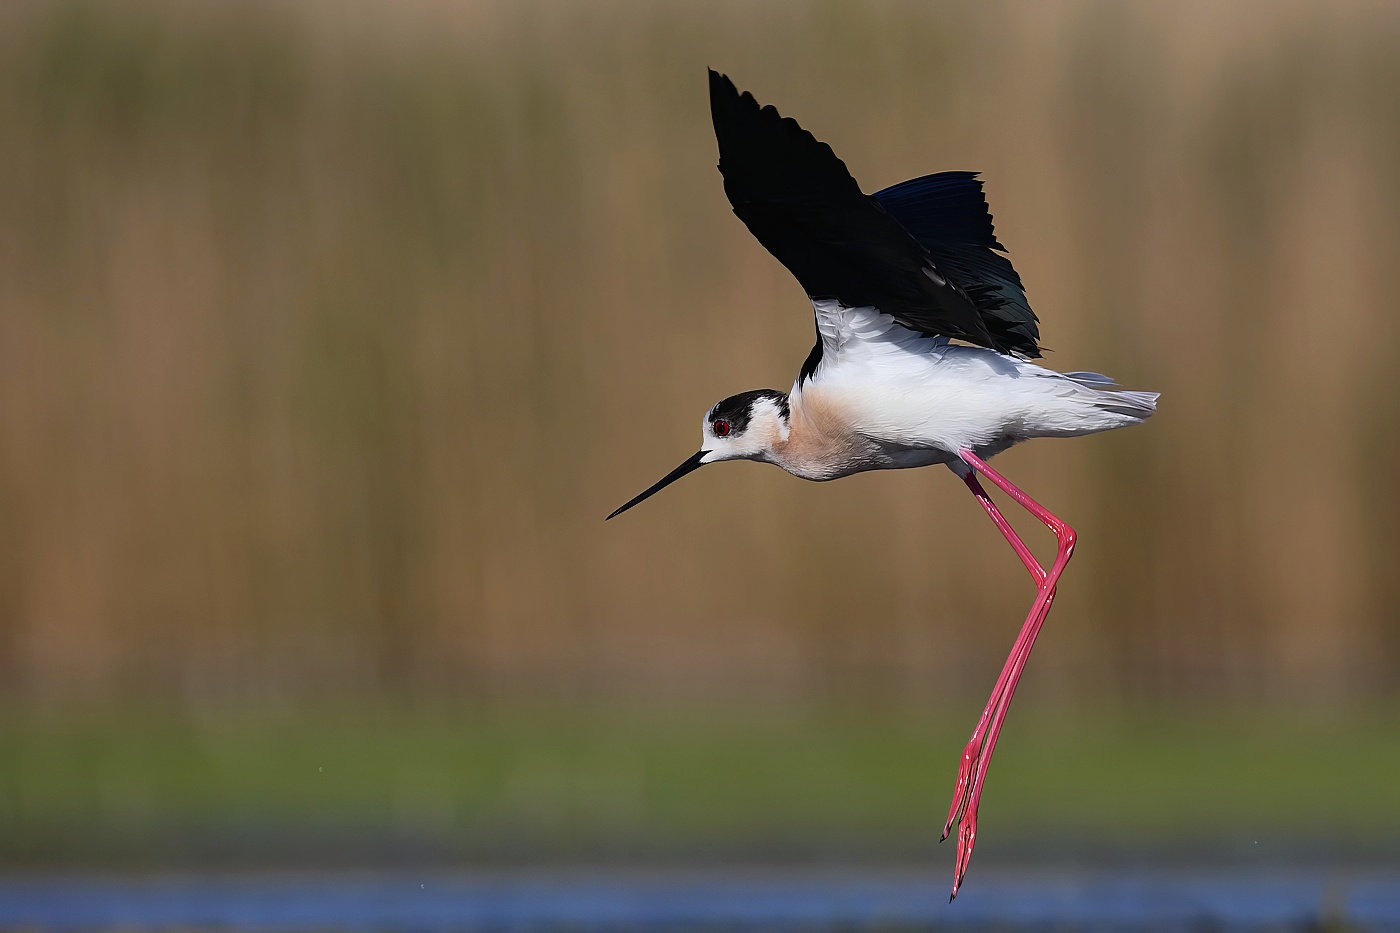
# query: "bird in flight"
x,y
923,355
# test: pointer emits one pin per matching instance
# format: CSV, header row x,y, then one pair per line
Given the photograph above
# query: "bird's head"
x,y
742,427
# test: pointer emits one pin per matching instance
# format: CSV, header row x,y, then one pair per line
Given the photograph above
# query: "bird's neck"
x,y
818,444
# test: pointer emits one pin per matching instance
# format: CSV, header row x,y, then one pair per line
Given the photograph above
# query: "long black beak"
x,y
691,465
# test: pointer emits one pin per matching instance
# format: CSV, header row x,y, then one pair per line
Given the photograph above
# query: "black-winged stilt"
x,y
895,278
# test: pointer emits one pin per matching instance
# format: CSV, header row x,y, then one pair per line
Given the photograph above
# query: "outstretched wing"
x,y
798,199
947,213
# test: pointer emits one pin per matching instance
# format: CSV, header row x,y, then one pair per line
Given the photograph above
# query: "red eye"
x,y
721,428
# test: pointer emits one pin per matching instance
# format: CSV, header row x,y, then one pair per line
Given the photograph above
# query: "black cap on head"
x,y
737,409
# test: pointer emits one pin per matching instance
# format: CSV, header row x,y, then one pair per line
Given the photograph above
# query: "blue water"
x,y
734,899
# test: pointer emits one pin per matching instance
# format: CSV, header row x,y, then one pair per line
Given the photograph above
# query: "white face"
x,y
741,427
746,435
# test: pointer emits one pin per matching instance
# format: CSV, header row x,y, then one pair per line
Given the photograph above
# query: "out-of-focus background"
x,y
329,332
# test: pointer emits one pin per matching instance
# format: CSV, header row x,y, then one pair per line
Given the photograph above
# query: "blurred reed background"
x,y
329,332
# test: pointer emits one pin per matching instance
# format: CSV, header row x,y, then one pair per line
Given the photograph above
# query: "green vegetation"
x,y
502,788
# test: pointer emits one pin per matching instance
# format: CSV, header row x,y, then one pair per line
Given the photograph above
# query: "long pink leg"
x,y
970,755
967,830
978,754
1037,572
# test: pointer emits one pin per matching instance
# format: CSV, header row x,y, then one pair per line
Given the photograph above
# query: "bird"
x,y
924,355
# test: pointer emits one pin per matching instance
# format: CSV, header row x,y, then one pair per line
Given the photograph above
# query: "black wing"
x,y
798,199
948,214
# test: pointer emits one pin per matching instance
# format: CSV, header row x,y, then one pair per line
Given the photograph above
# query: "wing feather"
x,y
800,202
947,213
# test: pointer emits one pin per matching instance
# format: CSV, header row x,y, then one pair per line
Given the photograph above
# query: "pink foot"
x,y
967,838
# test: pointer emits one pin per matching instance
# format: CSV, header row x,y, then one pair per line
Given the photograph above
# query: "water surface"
x,y
824,899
